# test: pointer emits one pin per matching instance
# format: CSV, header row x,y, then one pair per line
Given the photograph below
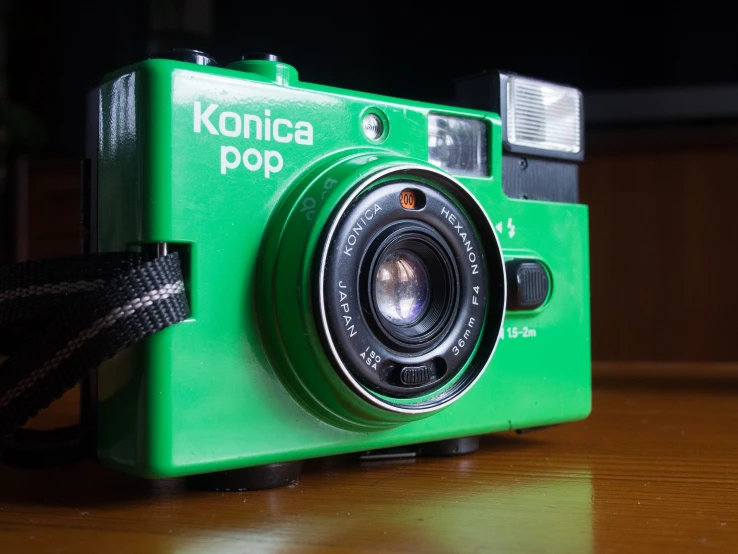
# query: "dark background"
x,y
662,196
57,48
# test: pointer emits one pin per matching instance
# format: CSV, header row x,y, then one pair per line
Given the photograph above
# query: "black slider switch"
x,y
416,376
527,284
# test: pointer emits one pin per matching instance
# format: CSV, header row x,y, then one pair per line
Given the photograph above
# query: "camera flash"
x,y
543,116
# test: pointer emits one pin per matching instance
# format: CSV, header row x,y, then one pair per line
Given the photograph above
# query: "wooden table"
x,y
654,469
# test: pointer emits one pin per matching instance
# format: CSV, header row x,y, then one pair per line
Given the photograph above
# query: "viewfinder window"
x,y
458,145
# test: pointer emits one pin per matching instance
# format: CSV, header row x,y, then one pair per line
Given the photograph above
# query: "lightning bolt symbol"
x,y
511,227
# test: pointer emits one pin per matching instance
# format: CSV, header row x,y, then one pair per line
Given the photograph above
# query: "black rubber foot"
x,y
450,447
268,476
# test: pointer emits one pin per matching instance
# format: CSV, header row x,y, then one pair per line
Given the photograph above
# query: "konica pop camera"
x,y
364,273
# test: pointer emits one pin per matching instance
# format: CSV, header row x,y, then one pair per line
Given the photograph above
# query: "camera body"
x,y
357,277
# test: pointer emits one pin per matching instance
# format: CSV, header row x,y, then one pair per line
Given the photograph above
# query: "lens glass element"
x,y
402,288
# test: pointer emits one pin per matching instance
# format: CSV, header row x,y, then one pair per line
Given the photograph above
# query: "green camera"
x,y
359,275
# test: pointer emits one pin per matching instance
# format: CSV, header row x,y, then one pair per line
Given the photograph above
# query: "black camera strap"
x,y
59,319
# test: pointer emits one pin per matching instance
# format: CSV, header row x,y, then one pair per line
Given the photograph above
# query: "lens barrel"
x,y
404,292
380,290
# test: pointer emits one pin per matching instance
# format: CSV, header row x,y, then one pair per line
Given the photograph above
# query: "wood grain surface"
x,y
654,469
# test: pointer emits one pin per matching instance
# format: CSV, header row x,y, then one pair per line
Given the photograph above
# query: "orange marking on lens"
x,y
407,199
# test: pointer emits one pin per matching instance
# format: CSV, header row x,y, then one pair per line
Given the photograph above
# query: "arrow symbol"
x,y
499,227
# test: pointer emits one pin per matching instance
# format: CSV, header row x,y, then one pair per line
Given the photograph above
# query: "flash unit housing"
x,y
538,118
542,132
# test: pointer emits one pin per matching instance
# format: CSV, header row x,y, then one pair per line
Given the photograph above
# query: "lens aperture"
x,y
402,288
411,286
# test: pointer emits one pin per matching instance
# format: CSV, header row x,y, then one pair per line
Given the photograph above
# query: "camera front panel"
x,y
225,164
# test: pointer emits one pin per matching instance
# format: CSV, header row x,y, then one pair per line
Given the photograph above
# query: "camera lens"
x,y
401,288
400,292
410,299
411,285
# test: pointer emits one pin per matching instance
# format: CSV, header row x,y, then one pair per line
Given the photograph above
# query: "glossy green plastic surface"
x,y
246,380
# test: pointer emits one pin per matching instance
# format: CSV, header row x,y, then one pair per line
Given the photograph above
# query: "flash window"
x,y
543,116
